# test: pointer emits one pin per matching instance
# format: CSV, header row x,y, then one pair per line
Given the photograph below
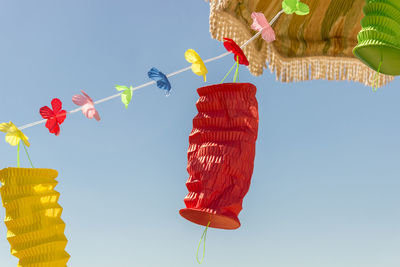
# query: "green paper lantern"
x,y
379,40
381,24
394,3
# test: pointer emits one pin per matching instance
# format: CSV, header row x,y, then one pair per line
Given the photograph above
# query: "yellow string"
x,y
203,236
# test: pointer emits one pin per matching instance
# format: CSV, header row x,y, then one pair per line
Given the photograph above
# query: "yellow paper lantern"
x,y
33,217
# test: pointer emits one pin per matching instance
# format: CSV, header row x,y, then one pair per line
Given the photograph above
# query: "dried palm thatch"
x,y
316,46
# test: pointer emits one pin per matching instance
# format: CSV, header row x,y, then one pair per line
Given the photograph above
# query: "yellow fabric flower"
x,y
198,66
13,134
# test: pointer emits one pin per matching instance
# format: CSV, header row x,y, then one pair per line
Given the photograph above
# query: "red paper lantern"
x,y
221,154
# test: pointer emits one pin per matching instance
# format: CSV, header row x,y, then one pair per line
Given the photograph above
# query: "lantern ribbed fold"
x,y
33,217
379,40
221,154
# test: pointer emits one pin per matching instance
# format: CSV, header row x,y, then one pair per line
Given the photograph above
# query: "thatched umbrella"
x,y
316,46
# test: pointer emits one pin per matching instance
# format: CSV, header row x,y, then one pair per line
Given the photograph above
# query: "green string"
x,y
18,162
203,236
375,83
228,73
27,154
236,77
237,71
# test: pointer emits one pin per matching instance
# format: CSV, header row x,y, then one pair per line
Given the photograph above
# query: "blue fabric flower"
x,y
160,78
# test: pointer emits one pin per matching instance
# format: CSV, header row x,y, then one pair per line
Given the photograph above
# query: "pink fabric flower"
x,y
260,23
87,104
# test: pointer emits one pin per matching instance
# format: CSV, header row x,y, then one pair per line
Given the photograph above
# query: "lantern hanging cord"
x,y
228,72
27,154
375,83
274,19
236,76
18,161
203,238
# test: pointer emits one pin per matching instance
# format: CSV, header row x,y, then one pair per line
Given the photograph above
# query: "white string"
x,y
274,19
153,82
31,124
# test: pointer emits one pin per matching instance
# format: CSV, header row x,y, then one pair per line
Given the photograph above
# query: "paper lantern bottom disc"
x,y
202,217
372,54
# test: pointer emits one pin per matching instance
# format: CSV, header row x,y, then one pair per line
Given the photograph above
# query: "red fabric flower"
x,y
231,46
54,117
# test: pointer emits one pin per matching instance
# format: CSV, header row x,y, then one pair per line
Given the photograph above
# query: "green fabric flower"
x,y
126,95
295,6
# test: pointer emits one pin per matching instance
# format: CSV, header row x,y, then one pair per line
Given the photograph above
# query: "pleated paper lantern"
x,y
35,229
221,154
379,40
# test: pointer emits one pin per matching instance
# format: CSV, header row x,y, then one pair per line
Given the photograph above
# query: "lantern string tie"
x,y
375,83
18,161
27,154
203,238
236,76
229,72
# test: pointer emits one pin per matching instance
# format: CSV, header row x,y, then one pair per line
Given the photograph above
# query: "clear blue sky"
x,y
325,188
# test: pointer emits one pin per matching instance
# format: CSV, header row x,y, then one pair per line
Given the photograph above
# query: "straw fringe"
x,y
287,69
